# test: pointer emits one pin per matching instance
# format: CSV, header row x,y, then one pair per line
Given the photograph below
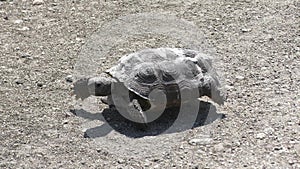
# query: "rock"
x,y
18,21
297,149
246,30
291,162
260,136
228,87
65,121
219,147
19,81
39,84
195,167
200,141
69,79
25,55
147,163
277,148
25,28
267,89
78,39
157,166
121,161
271,39
240,77
269,130
37,2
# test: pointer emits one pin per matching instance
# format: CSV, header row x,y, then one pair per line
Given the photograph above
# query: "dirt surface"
x,y
257,42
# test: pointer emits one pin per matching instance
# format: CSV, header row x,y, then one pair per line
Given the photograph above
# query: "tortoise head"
x,y
100,86
97,86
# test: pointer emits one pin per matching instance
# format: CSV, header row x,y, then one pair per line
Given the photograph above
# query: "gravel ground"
x,y
257,42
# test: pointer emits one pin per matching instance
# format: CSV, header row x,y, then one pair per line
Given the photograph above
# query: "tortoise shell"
x,y
166,69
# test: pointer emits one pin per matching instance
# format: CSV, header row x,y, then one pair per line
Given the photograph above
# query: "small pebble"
x,y
25,55
240,77
260,136
69,79
297,148
277,148
18,21
147,163
155,159
246,29
65,121
78,39
121,161
69,113
200,141
25,28
157,166
228,87
19,81
219,147
39,84
37,2
269,130
291,162
267,89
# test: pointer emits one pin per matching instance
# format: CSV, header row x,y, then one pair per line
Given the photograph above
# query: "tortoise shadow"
x,y
115,121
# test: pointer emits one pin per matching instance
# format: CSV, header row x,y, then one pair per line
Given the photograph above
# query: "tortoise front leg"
x,y
108,101
210,86
137,114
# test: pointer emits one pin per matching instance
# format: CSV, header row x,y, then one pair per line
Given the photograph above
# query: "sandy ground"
x,y
257,42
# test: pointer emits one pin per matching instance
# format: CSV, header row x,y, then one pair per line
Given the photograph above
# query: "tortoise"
x,y
151,80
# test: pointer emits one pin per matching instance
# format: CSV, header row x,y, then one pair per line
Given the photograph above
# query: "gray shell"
x,y
161,68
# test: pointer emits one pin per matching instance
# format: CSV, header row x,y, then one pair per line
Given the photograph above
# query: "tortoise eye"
x,y
98,85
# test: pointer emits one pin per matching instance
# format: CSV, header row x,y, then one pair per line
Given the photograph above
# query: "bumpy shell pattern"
x,y
168,69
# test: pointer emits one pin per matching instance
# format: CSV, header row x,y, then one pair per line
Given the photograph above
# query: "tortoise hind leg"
x,y
137,114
